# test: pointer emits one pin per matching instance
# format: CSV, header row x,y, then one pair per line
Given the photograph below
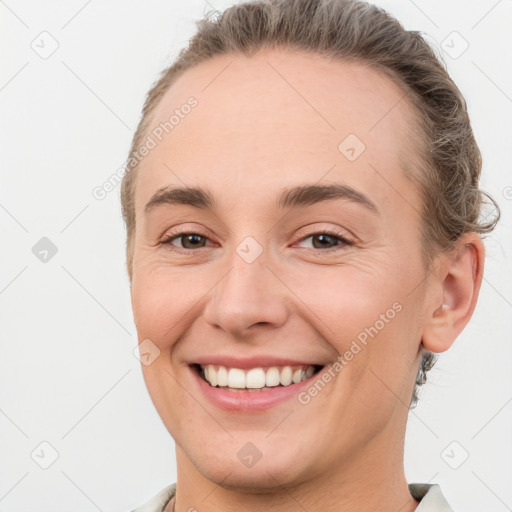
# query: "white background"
x,y
68,373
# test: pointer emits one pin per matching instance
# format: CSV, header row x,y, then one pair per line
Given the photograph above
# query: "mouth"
x,y
256,379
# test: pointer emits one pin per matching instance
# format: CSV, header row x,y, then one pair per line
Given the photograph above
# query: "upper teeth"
x,y
255,378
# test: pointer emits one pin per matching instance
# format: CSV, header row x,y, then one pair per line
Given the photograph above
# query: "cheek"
x,y
367,318
165,300
347,300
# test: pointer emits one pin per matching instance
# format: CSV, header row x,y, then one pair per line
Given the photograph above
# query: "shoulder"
x,y
158,502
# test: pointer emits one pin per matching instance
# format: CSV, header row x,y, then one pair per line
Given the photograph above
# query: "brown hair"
x,y
353,30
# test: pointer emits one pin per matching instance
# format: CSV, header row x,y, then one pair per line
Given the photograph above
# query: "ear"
x,y
458,281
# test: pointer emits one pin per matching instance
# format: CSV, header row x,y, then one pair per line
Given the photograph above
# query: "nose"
x,y
249,295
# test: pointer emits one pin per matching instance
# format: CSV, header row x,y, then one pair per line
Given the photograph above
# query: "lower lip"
x,y
247,401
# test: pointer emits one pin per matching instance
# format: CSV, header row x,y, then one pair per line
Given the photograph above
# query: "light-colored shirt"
x,y
429,495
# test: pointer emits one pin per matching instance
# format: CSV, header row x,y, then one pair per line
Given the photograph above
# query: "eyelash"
x,y
344,241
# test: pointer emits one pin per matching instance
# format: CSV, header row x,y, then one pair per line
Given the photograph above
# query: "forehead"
x,y
279,117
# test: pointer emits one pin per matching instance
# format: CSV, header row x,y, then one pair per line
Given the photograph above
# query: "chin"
x,y
275,471
252,481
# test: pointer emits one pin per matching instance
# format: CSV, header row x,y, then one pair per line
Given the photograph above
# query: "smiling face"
x,y
293,247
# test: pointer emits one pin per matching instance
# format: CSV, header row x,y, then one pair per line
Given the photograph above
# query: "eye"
x,y
327,240
188,240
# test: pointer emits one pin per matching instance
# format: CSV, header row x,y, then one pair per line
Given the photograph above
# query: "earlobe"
x,y
459,278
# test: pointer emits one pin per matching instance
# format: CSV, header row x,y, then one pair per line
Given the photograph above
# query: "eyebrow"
x,y
296,197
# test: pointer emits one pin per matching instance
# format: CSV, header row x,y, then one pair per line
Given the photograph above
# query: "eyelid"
x,y
181,229
318,229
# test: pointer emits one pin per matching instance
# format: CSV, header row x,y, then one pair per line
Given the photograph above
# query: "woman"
x,y
303,235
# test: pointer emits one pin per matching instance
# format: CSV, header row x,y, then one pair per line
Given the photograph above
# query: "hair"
x,y
352,30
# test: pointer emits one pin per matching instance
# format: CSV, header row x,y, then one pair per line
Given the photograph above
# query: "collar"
x,y
431,498
429,495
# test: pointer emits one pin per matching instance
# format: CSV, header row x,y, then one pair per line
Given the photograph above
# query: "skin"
x,y
251,135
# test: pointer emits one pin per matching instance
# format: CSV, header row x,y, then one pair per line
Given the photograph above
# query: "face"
x,y
300,253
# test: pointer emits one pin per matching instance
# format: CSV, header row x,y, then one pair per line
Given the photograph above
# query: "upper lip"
x,y
253,362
